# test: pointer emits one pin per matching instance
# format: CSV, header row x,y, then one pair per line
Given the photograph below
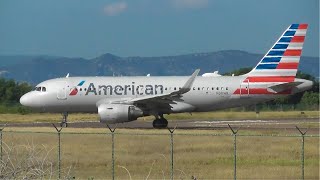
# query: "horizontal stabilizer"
x,y
283,87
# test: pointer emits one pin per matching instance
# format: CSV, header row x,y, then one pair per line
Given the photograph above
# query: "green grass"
x,y
219,115
246,115
196,153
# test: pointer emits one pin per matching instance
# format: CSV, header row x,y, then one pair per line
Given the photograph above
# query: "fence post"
x,y
302,151
234,132
1,144
112,149
1,149
171,151
59,150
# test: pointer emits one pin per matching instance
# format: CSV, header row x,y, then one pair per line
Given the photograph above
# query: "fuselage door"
x,y
61,90
244,89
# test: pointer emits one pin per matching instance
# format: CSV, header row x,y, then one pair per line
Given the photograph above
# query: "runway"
x,y
312,123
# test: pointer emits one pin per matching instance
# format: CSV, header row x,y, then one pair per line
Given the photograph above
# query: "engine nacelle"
x,y
118,113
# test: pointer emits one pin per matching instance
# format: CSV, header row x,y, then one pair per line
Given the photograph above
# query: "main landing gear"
x,y
64,122
160,123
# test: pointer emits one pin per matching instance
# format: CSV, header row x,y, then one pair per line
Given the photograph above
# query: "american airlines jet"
x,y
124,99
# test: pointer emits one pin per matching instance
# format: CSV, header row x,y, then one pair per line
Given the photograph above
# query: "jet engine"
x,y
118,113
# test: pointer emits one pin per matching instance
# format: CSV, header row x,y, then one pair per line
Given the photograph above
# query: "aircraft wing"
x,y
157,102
169,97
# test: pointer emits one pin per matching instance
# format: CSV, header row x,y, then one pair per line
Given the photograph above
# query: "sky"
x,y
82,28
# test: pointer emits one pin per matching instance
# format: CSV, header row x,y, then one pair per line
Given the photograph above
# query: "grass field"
x,y
45,117
145,154
86,154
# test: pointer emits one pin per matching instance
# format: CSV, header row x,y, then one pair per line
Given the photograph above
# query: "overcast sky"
x,y
89,28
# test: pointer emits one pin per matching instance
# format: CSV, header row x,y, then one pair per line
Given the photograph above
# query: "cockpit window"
x,y
43,89
37,88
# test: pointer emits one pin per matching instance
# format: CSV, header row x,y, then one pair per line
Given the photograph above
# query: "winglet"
x,y
187,86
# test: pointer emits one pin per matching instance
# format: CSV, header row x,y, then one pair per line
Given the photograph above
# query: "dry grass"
x,y
144,155
45,117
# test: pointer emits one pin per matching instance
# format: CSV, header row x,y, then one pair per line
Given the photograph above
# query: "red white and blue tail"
x,y
281,62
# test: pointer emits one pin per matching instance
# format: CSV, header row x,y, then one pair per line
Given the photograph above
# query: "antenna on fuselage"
x,y
67,75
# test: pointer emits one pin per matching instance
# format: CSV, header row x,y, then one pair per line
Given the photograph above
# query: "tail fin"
x,y
281,62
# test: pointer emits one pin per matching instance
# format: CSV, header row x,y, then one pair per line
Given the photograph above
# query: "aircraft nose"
x,y
25,100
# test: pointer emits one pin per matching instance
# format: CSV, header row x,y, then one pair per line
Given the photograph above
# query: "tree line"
x,y
10,93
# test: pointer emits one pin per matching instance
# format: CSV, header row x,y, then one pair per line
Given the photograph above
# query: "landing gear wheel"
x,y
64,122
160,123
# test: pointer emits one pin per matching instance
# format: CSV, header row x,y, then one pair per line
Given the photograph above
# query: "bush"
x,y
23,110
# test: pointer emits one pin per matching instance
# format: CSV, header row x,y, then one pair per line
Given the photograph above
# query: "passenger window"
x,y
44,89
198,89
80,89
217,88
212,88
221,88
226,88
175,88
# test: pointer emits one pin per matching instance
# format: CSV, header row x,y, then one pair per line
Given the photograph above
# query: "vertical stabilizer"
x,y
281,62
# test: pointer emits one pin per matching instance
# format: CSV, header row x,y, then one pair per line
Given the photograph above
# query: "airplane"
x,y
124,99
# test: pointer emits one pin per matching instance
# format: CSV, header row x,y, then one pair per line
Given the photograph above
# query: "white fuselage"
x,y
206,94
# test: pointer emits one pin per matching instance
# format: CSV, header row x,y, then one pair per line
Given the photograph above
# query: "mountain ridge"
x,y
34,69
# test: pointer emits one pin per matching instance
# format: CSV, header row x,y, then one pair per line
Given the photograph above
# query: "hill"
x,y
34,69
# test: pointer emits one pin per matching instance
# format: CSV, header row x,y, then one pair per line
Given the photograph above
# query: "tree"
x,y
11,91
310,98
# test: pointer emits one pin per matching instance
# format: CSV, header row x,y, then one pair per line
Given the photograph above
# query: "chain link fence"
x,y
161,154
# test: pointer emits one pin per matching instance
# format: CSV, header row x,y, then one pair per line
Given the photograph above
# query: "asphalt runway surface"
x,y
276,124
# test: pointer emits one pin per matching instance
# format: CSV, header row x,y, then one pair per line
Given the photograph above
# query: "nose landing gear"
x,y
160,123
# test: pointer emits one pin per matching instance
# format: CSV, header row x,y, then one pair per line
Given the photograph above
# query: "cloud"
x,y
115,8
190,4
